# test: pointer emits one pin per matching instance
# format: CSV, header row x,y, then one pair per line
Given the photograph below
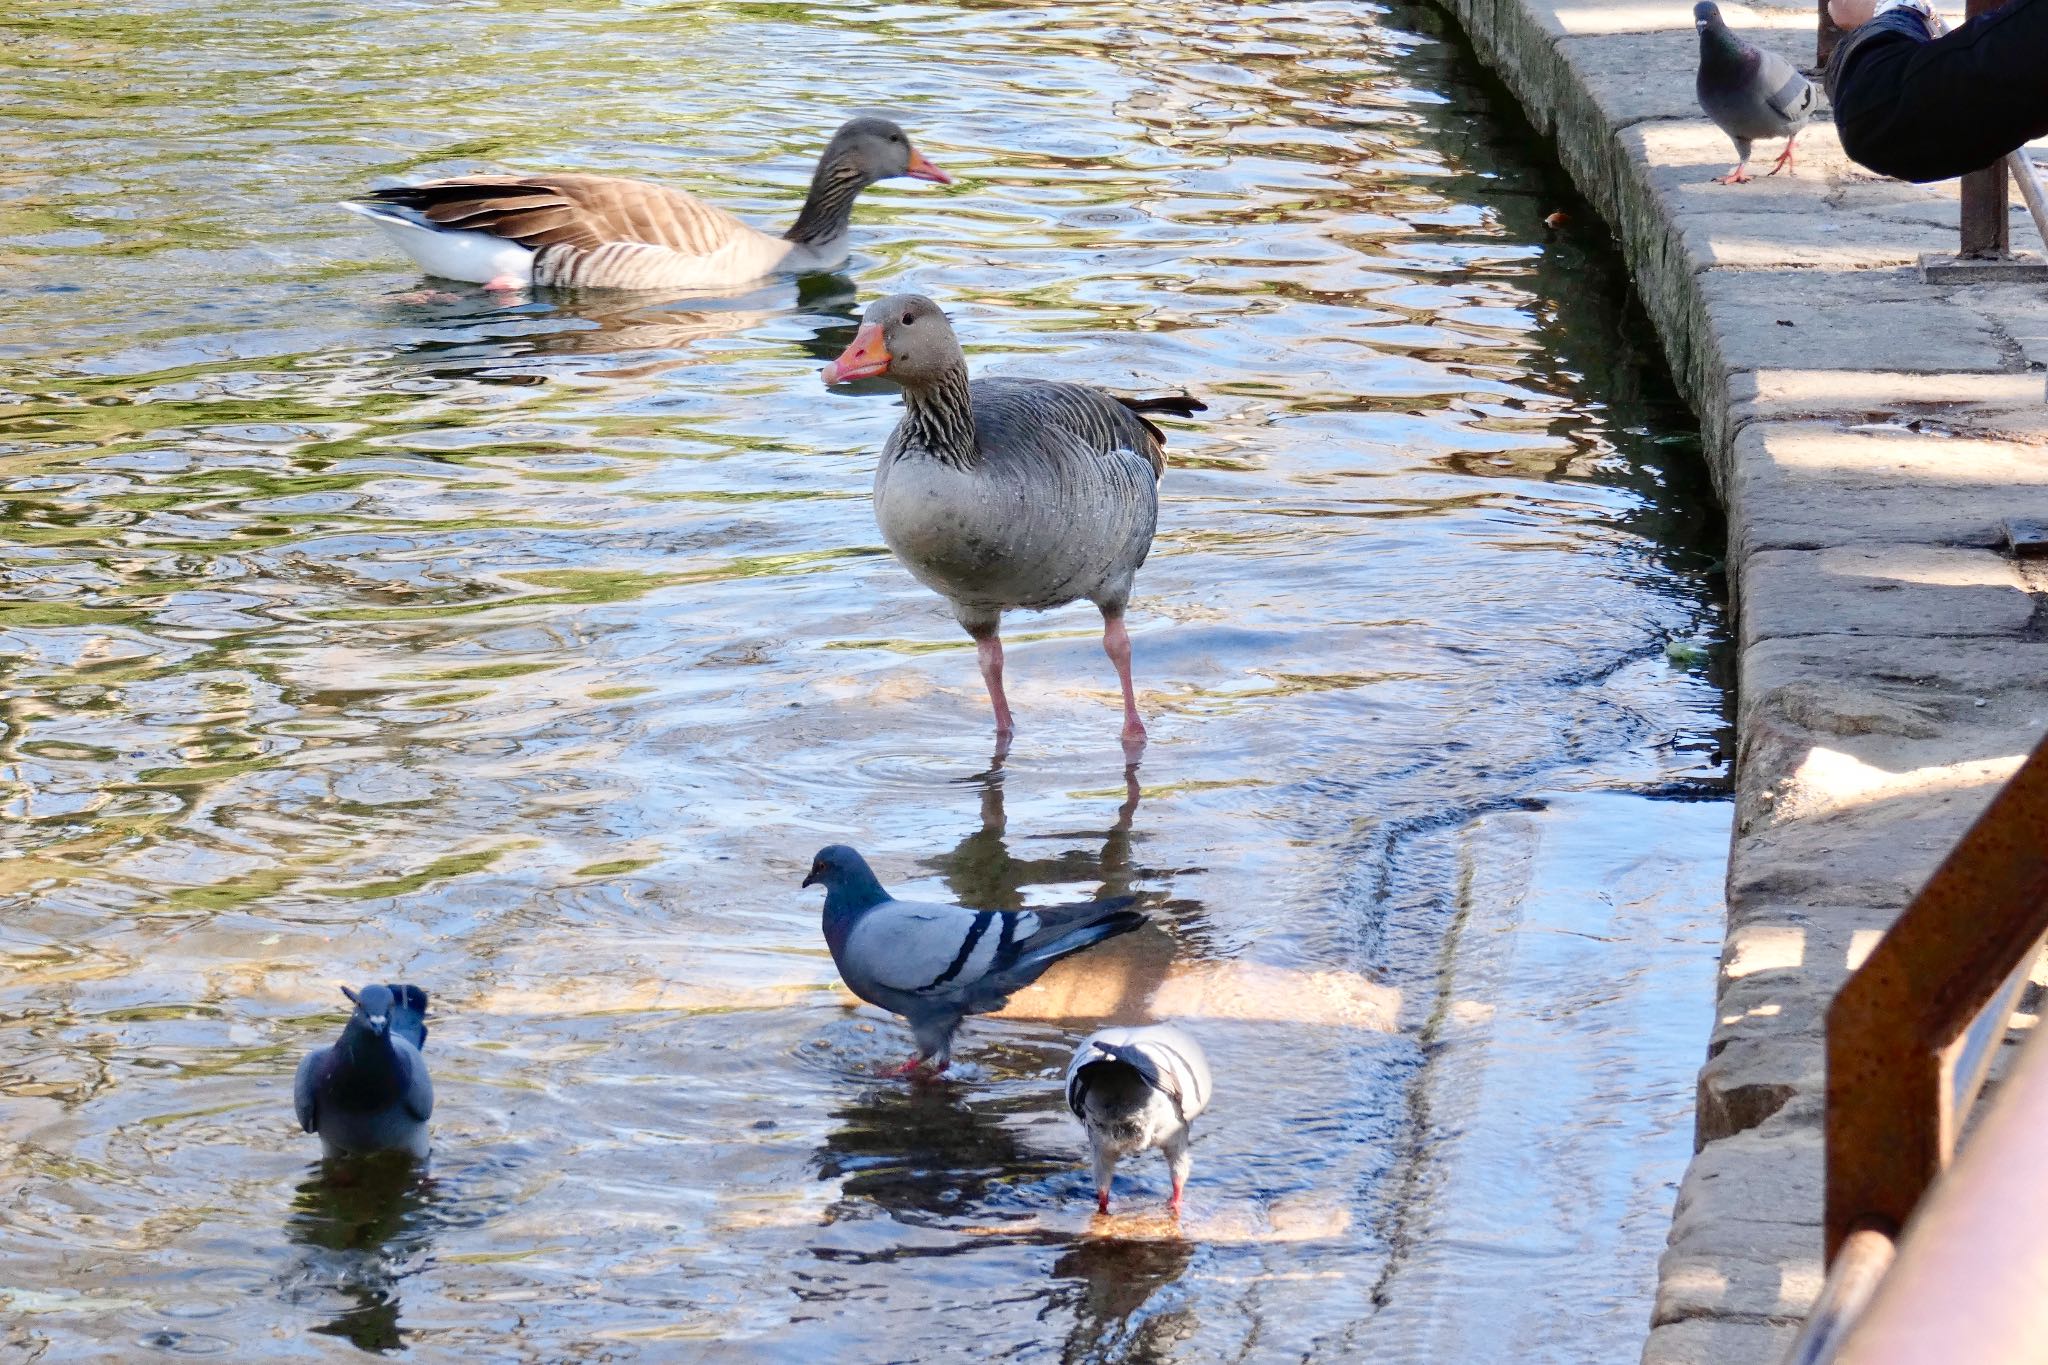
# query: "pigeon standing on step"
x,y
1135,1089
369,1092
936,964
1748,93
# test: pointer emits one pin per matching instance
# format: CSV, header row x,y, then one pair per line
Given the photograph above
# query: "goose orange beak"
x,y
920,169
866,358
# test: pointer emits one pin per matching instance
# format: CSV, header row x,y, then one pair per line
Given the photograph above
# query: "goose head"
x,y
905,337
871,149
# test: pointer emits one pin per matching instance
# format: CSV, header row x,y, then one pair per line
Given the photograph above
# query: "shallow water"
x,y
528,652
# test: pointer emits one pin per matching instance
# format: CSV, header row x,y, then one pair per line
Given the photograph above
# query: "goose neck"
x,y
828,210
941,418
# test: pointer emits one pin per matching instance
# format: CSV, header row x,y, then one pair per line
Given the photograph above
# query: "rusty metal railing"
x,y
1909,1039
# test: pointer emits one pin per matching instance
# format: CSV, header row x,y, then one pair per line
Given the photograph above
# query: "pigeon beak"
x,y
866,358
920,169
813,879
380,1023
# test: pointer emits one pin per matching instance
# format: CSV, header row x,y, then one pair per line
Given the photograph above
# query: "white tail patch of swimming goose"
x,y
1136,1090
603,232
1010,494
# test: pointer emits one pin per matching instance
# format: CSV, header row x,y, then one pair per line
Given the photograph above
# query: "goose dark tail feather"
x,y
1179,404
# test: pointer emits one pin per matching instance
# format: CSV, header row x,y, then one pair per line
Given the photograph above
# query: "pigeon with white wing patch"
x,y
1134,1090
936,964
1748,93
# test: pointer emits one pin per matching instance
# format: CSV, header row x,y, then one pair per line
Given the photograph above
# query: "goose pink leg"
x,y
1116,643
988,650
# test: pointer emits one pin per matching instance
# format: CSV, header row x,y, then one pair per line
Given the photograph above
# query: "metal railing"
x,y
1909,1039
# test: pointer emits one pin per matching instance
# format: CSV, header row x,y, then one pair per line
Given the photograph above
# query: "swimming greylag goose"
x,y
602,232
1006,494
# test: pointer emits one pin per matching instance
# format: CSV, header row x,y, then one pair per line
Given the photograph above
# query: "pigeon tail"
x,y
1069,941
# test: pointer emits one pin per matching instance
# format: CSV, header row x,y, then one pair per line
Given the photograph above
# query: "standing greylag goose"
x,y
602,232
1006,494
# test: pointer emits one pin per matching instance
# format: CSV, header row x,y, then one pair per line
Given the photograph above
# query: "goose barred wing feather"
x,y
1018,410
1165,1058
584,212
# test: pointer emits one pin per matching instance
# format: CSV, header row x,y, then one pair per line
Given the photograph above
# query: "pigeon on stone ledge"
x,y
1748,93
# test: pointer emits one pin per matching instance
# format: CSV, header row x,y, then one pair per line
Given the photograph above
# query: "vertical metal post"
x,y
1987,228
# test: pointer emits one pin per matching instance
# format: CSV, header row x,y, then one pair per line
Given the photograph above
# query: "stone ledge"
x,y
1871,436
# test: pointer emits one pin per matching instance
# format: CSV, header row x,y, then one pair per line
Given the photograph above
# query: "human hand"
x,y
1850,14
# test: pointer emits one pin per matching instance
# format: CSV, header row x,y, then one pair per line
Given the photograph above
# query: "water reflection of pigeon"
x,y
1134,1090
370,1092
1747,92
937,964
358,1238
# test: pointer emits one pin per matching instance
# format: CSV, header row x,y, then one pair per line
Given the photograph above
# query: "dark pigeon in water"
x,y
1134,1090
936,964
370,1092
1748,93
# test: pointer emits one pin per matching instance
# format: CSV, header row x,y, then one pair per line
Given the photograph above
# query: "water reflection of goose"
x,y
361,1226
1152,973
669,330
981,870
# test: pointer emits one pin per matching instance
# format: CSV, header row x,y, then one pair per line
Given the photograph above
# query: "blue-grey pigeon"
x,y
369,1092
1136,1089
1747,92
936,964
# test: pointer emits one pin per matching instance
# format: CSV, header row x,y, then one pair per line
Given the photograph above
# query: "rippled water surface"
x,y
527,651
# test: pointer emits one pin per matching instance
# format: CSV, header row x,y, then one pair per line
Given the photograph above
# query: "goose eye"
x,y
908,319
